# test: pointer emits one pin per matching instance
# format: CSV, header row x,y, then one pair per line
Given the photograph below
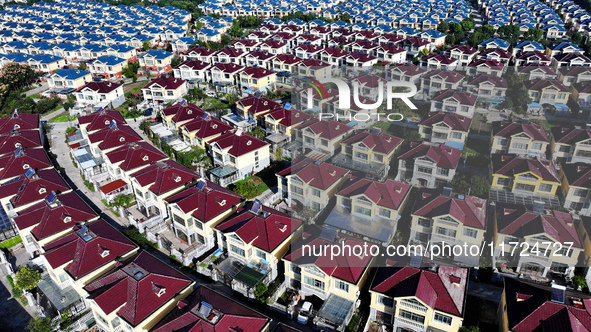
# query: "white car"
x,y
305,313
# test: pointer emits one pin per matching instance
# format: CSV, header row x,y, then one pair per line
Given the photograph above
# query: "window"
x,y
346,202
362,210
63,277
316,206
115,322
340,285
313,282
315,192
504,182
323,142
446,232
424,222
412,316
536,146
456,135
501,141
178,219
583,154
261,254
442,171
236,250
578,192
384,212
519,146
443,319
525,187
545,187
297,190
470,233
564,148
386,301
423,169
102,320
198,224
294,268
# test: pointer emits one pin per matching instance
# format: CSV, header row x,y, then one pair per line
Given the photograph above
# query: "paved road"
x,y
44,86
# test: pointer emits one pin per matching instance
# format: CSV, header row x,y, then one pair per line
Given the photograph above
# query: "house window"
x,y
236,250
178,219
297,190
501,141
63,277
519,146
578,192
313,282
583,154
423,222
323,142
442,171
443,319
564,148
384,212
102,319
315,206
446,232
423,169
362,210
545,187
198,224
412,316
525,187
261,254
536,146
346,202
470,233
456,135
315,192
503,182
115,322
340,285
386,301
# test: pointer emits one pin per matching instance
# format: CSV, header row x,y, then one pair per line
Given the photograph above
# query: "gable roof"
x,y
49,218
102,119
84,256
134,155
135,296
508,129
442,155
168,83
463,97
164,176
518,221
239,144
19,120
326,129
388,193
15,164
470,210
454,121
23,138
511,165
578,174
101,87
265,230
25,190
319,175
443,291
112,137
382,142
570,135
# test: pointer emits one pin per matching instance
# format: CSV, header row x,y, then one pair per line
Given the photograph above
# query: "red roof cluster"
x,y
454,121
469,210
321,175
388,193
164,176
239,144
441,154
134,155
100,120
511,165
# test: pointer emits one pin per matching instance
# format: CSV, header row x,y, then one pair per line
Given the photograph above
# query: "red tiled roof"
x,y
314,63
288,117
335,52
231,52
516,220
498,51
409,70
239,145
194,64
164,176
20,121
206,128
257,72
454,121
23,138
112,186
507,129
495,80
235,317
228,67
539,55
441,58
494,64
114,137
260,55
465,49
388,193
445,75
100,120
321,176
539,84
184,112
570,135
264,232
530,309
246,42
168,83
326,129
205,204
12,165
135,300
134,155
442,155
201,51
382,142
28,190
463,97
288,58
511,165
436,290
101,87
578,174
50,219
83,257
470,211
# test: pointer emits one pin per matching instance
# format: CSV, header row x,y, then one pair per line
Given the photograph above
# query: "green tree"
x,y
146,45
576,38
71,130
38,324
469,329
68,104
534,34
260,291
470,184
235,29
412,135
246,188
257,132
443,27
455,27
122,200
516,93
26,277
510,33
168,47
475,39
346,17
278,154
82,66
468,24
130,71
175,61
425,51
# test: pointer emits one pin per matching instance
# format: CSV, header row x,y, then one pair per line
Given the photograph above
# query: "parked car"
x,y
305,313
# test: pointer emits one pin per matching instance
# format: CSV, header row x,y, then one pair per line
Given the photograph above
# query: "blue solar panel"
x,y
557,294
113,124
18,151
287,106
416,261
29,173
328,234
204,116
4,220
256,206
51,197
83,230
201,184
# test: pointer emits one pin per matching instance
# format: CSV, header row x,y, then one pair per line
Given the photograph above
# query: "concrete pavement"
x,y
44,86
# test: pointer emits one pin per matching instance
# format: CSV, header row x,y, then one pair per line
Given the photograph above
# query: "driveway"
x,y
35,92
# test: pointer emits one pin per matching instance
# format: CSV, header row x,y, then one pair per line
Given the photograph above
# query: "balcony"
x,y
418,308
409,323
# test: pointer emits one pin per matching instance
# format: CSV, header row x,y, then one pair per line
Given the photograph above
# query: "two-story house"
x,y
164,90
576,187
428,165
443,127
101,94
524,175
452,101
521,138
571,144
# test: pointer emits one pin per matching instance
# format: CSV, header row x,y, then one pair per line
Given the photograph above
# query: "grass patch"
x,y
138,238
479,124
62,118
6,244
